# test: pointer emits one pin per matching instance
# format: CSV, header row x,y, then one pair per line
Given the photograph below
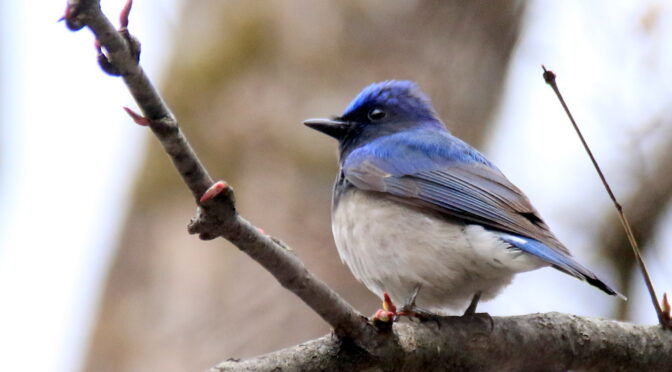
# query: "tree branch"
x,y
537,342
216,217
645,206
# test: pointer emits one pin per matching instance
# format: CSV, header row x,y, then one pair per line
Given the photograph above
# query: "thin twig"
x,y
216,217
549,78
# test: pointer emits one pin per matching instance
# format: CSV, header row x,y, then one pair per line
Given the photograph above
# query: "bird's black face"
x,y
335,127
380,109
358,127
353,123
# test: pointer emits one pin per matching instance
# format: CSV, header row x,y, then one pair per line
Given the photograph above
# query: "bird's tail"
x,y
581,272
560,261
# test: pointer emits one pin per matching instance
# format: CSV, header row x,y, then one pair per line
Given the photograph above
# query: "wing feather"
x,y
477,192
440,172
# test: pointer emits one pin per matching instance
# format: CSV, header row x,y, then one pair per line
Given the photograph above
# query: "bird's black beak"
x,y
331,127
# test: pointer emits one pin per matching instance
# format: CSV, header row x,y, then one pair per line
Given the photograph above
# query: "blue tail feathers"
x,y
558,260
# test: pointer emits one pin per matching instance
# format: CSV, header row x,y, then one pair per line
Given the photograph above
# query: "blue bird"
x,y
422,216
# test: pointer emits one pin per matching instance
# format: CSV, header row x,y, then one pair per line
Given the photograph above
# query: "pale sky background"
x,y
616,77
68,156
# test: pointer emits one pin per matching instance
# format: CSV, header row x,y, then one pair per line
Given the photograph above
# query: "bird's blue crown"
x,y
402,95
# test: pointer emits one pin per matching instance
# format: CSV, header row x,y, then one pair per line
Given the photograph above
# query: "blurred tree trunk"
x,y
243,76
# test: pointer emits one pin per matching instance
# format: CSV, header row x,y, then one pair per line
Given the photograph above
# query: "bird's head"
x,y
380,109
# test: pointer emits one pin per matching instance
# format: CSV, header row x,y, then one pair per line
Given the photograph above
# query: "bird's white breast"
x,y
392,248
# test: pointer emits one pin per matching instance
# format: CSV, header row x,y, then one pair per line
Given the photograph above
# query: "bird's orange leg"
x,y
389,311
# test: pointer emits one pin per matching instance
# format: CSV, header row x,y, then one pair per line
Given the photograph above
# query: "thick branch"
x,y
537,342
216,217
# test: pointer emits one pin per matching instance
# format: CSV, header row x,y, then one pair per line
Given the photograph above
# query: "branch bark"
x,y
216,217
537,342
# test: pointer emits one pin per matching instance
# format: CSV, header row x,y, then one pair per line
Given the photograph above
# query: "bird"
x,y
423,219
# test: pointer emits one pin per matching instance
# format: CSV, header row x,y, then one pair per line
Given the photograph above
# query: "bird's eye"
x,y
377,114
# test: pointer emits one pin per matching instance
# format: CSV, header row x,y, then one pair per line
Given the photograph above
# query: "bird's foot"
x,y
388,313
416,312
471,310
411,310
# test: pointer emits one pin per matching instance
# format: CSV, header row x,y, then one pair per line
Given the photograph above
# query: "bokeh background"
x,y
97,272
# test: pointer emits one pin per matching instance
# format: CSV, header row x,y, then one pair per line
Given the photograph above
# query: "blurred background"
x,y
97,272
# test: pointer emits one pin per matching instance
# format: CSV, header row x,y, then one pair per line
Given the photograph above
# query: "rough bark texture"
x,y
538,342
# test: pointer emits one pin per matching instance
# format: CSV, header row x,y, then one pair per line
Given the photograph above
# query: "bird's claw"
x,y
666,310
471,310
389,312
416,312
384,316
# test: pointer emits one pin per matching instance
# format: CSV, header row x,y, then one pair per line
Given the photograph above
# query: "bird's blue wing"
x,y
471,191
444,174
438,171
